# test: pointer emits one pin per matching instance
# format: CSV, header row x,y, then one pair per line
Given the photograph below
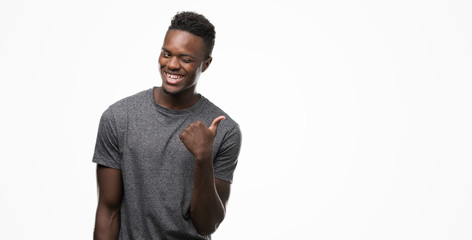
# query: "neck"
x,y
179,101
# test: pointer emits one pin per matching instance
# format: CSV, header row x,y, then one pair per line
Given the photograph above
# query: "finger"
x,y
215,123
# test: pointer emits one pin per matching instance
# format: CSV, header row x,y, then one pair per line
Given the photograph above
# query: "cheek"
x,y
196,69
161,62
188,69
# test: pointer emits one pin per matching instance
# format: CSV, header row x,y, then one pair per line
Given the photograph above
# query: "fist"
x,y
198,138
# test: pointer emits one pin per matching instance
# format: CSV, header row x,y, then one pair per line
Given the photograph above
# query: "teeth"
x,y
174,76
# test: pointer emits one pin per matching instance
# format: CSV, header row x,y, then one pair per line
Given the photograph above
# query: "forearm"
x,y
207,209
107,224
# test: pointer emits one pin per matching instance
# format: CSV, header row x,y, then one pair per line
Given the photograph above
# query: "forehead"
x,y
182,42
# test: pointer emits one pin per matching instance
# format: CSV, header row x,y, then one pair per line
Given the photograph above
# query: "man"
x,y
161,172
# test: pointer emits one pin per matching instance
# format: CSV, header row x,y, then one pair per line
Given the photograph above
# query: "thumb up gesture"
x,y
198,139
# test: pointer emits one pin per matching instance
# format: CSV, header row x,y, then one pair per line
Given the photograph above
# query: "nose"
x,y
173,63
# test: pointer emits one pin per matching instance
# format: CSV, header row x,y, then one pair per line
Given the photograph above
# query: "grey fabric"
x,y
142,139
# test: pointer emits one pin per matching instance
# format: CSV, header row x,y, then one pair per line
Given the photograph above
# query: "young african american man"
x,y
161,172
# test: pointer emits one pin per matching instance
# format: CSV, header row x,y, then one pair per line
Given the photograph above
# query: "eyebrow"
x,y
181,55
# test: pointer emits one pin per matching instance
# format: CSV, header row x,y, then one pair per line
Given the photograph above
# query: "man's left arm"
x,y
210,195
209,198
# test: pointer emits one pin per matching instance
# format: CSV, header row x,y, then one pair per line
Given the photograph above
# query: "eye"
x,y
165,54
186,60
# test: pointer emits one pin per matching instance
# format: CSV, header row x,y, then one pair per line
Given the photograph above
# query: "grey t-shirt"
x,y
141,138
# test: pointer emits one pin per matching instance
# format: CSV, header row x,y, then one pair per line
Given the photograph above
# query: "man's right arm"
x,y
110,194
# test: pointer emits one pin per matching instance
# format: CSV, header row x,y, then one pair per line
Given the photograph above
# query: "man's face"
x,y
181,61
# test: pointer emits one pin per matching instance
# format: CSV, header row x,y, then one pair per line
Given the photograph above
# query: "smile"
x,y
173,78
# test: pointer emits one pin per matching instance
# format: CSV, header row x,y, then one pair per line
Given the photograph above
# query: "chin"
x,y
170,92
173,90
178,89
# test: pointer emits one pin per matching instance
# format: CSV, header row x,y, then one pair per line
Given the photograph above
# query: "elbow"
x,y
207,230
207,227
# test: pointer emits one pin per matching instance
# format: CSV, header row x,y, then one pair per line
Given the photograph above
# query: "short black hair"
x,y
195,24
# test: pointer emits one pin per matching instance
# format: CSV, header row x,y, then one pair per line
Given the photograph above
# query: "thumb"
x,y
215,124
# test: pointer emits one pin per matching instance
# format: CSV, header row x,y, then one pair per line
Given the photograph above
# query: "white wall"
x,y
356,115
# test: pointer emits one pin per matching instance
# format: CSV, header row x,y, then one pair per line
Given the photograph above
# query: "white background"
x,y
356,115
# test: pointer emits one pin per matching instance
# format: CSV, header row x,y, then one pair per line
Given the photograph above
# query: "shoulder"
x,y
227,129
118,111
212,111
132,101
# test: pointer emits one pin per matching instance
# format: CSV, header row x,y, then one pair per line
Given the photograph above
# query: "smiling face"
x,y
181,61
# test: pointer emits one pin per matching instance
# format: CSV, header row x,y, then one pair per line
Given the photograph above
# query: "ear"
x,y
206,63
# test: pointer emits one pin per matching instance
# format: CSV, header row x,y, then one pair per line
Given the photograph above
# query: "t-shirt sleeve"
x,y
107,151
227,156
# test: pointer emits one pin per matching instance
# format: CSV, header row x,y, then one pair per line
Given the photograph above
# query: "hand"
x,y
198,138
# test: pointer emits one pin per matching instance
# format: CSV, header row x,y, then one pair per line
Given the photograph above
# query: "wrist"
x,y
203,157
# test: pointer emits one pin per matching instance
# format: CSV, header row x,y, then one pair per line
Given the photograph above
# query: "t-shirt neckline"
x,y
194,108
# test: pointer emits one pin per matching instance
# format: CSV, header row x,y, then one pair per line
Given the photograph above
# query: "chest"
x,y
152,145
